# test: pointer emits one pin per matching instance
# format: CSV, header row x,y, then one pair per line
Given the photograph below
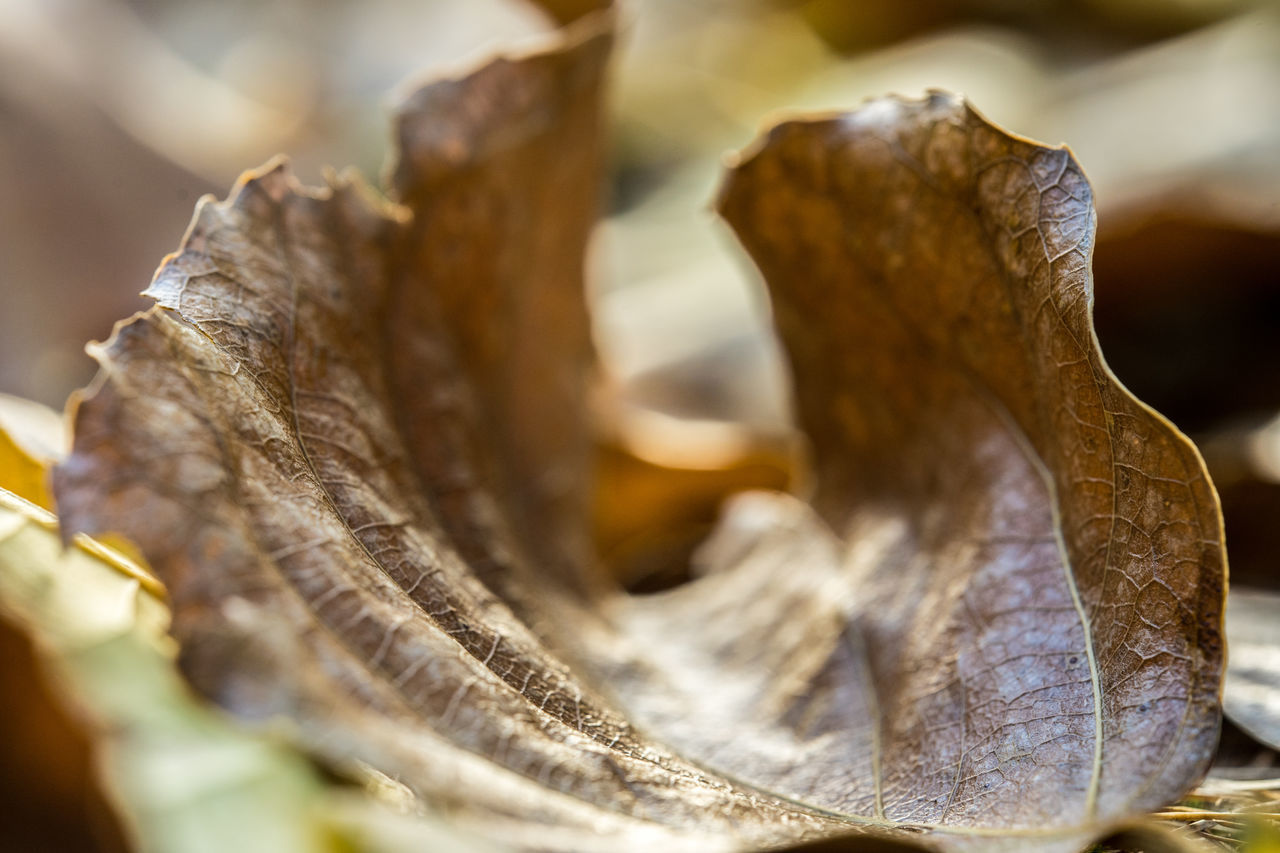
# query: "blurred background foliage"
x,y
116,115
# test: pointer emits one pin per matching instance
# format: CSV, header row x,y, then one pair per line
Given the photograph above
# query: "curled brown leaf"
x,y
351,439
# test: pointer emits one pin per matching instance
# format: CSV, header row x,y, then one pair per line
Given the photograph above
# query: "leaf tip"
x,y
444,124
274,179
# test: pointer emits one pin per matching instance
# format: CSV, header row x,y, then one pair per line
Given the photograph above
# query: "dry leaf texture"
x,y
351,441
1046,568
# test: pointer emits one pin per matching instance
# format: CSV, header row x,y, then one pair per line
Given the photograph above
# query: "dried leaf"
x,y
1045,563
1192,326
488,288
351,440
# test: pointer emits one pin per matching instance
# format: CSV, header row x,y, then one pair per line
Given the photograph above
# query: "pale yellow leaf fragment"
x,y
185,780
32,438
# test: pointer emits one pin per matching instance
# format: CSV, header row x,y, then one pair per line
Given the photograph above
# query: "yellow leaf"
x,y
186,780
32,438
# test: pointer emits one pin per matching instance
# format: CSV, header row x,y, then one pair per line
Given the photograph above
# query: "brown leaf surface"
x,y
1046,567
351,440
489,291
